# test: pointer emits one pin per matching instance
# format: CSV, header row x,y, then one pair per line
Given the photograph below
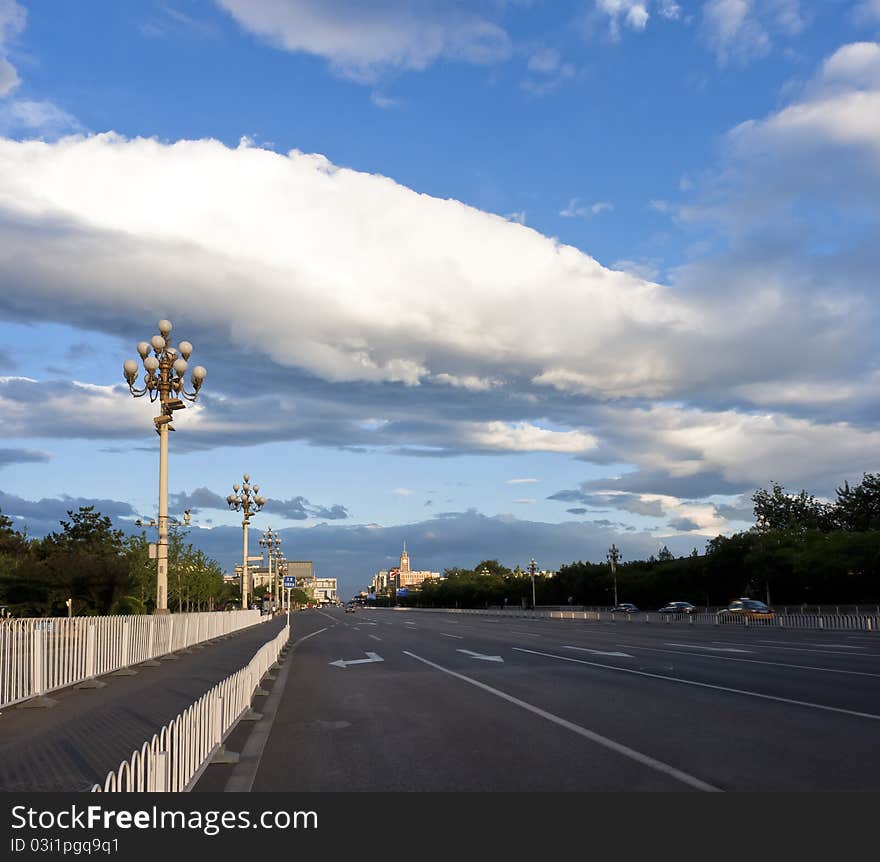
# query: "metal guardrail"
x,y
857,622
40,655
174,759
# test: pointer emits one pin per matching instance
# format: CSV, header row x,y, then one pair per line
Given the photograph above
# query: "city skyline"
x,y
499,280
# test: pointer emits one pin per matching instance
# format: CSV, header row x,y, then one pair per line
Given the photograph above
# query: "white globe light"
x,y
158,342
165,327
143,348
151,363
130,368
185,349
199,373
180,367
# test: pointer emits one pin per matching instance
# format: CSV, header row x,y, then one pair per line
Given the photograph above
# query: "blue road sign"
x,y
289,582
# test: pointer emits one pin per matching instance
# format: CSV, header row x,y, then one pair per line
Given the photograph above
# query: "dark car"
x,y
624,608
746,608
678,608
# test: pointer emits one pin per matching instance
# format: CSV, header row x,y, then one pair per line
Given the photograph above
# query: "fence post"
x,y
221,755
158,772
151,653
91,680
39,699
169,655
126,669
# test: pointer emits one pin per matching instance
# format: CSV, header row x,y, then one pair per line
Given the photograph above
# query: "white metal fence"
x,y
40,655
176,756
858,622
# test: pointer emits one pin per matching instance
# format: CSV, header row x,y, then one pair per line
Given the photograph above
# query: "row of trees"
x,y
800,550
102,571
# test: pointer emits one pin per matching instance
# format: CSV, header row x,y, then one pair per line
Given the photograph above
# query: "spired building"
x,y
407,578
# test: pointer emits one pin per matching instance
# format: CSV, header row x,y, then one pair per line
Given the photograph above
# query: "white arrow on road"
x,y
371,657
600,652
481,656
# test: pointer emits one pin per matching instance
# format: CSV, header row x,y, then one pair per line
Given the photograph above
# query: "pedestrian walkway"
x,y
75,744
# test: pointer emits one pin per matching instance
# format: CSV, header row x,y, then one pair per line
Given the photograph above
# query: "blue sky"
x,y
503,278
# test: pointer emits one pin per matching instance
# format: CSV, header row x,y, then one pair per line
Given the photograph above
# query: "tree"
x,y
664,555
858,509
777,510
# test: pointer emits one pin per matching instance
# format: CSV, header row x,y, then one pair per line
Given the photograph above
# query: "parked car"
x,y
678,608
624,608
745,607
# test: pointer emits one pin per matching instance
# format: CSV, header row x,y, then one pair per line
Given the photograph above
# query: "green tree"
x,y
778,510
858,508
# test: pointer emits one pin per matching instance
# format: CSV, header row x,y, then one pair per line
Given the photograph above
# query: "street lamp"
x,y
270,540
165,367
613,557
246,500
533,567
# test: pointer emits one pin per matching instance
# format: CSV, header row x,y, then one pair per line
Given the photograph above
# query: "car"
x,y
746,608
624,608
678,608
349,609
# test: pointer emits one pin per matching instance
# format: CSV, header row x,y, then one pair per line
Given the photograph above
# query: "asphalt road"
x,y
463,703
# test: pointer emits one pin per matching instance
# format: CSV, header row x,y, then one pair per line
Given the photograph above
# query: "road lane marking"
x,y
752,661
814,651
481,656
457,637
370,658
374,637
619,669
711,648
604,741
809,643
599,652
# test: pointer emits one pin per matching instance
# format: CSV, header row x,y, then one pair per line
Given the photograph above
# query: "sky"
x,y
501,279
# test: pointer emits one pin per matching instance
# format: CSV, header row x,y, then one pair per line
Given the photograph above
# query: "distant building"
x,y
407,578
325,590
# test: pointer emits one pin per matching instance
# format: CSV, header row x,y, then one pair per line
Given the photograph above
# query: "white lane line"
x,y
813,651
374,637
618,669
599,652
752,661
618,747
710,648
371,657
808,643
457,637
527,634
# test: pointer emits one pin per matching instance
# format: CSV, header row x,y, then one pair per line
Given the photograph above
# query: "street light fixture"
x,y
613,557
533,567
165,367
246,500
270,540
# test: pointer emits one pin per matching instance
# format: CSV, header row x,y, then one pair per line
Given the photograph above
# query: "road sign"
x,y
289,582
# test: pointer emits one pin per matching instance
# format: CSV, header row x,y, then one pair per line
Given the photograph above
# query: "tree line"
x,y
102,571
801,550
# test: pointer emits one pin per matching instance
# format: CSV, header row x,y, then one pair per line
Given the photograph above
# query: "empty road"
x,y
387,700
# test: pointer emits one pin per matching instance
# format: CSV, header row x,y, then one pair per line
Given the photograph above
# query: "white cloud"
x,y
380,284
632,13
525,501
600,207
362,39
401,492
573,209
526,437
522,481
35,119
742,30
12,22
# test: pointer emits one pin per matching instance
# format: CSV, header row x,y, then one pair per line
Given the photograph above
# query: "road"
x,y
445,702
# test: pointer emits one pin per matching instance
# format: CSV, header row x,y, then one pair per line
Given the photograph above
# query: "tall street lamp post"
x,y
271,540
164,368
246,500
533,567
613,557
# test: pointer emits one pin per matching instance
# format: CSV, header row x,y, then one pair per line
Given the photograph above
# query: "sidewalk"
x,y
75,744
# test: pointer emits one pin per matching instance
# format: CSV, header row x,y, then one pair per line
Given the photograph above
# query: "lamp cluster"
x,y
246,499
164,370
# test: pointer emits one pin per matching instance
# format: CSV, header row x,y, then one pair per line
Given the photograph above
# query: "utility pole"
x,y
533,567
